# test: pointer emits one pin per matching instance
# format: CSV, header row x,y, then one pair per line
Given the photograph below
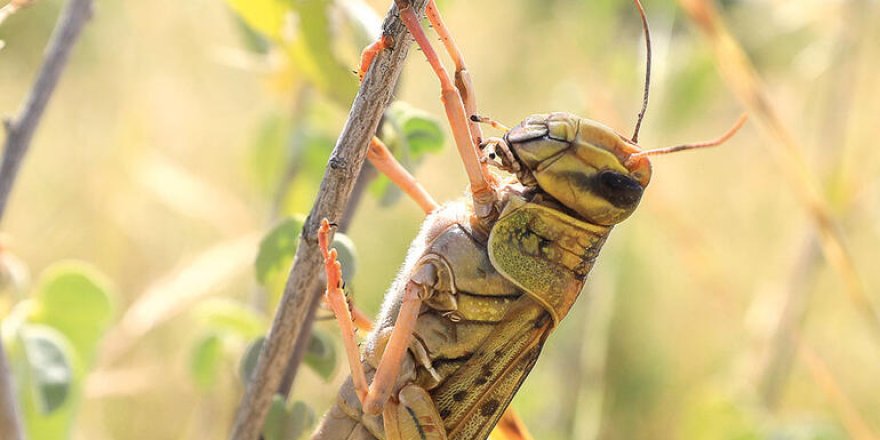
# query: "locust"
x,y
488,278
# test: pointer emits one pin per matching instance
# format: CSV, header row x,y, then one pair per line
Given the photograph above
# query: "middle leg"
x,y
374,396
384,161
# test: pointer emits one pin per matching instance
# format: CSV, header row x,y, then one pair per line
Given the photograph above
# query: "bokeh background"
x,y
183,133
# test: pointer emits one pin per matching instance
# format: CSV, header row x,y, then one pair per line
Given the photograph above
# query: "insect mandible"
x,y
487,279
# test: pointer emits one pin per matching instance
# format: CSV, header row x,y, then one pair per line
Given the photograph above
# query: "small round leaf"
x,y
248,362
321,354
51,373
205,361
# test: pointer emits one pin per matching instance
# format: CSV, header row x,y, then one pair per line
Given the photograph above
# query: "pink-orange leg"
x,y
511,427
379,155
384,161
480,180
334,297
370,52
462,76
373,396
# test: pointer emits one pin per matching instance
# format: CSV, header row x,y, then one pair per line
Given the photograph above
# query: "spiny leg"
x,y
480,179
462,76
374,396
334,297
369,53
392,357
379,155
384,161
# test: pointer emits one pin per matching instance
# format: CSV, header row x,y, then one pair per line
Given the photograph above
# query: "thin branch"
x,y
10,422
19,132
367,175
298,302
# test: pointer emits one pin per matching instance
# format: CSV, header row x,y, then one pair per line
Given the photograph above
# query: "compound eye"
x,y
621,190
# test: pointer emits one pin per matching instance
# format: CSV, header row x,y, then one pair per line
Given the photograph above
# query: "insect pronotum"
x,y
487,279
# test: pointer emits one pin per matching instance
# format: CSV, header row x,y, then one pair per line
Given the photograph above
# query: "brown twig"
x,y
10,422
19,132
367,175
298,304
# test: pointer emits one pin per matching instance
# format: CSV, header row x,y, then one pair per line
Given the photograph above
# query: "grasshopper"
x,y
487,279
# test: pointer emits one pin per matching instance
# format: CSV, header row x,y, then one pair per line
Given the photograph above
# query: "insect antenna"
x,y
715,142
635,136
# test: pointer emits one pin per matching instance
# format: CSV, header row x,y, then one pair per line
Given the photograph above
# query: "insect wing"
x,y
473,399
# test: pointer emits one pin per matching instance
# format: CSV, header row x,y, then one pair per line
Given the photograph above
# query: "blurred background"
x,y
159,206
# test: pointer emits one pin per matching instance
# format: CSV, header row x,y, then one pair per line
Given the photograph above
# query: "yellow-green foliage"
x,y
178,138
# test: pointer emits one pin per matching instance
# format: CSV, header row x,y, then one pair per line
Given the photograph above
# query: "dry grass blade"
x,y
744,81
174,293
852,421
19,132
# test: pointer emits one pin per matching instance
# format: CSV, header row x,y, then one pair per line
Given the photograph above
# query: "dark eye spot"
x,y
489,408
622,191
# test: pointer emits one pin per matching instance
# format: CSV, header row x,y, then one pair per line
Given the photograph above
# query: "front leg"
x,y
373,397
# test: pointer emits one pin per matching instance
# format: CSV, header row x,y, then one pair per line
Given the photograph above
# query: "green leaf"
x,y
287,422
248,362
205,361
276,255
268,156
74,298
410,134
346,254
227,316
277,248
252,39
321,354
312,50
275,426
421,132
51,372
265,16
301,418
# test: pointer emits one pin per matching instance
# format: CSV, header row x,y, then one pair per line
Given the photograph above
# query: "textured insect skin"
x,y
494,287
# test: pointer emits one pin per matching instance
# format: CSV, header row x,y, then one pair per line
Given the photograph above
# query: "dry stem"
x,y
19,132
299,303
745,82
